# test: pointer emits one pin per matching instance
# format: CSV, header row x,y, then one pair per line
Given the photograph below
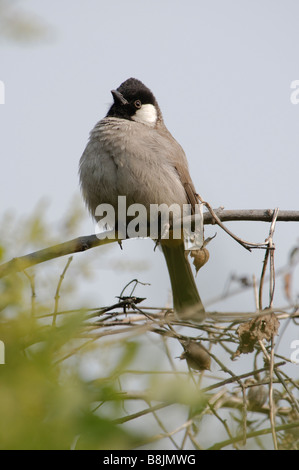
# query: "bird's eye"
x,y
137,104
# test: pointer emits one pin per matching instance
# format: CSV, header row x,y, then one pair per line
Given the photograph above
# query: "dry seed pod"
x,y
200,258
257,394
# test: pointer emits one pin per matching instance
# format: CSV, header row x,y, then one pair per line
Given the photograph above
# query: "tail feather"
x,y
186,300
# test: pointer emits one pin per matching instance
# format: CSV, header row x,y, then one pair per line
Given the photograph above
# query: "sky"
x,y
221,72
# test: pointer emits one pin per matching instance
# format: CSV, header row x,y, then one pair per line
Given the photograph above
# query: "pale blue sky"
x,y
221,72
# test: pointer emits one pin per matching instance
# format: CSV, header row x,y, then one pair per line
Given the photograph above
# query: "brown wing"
x,y
188,185
178,159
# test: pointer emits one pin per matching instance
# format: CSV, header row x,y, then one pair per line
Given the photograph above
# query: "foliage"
x,y
129,376
45,402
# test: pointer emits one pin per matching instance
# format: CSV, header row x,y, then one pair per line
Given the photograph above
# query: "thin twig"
x,y
223,422
261,432
247,245
270,360
31,279
58,290
239,377
262,280
270,248
256,298
148,410
160,423
290,395
158,437
271,397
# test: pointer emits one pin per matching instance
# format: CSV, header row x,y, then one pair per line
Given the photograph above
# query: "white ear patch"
x,y
147,114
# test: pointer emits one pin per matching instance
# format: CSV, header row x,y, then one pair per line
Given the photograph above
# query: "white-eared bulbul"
x,y
131,153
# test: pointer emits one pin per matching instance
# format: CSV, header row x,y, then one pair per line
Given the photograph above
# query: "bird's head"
x,y
135,102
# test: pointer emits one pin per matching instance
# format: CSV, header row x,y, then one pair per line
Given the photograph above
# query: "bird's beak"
x,y
118,97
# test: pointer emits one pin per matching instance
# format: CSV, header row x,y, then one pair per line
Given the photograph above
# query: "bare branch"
x,y
261,432
253,215
91,241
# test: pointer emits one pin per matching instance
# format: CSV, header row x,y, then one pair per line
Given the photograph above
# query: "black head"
x,y
134,101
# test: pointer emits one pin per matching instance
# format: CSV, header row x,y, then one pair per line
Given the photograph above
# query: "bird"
x,y
196,355
131,153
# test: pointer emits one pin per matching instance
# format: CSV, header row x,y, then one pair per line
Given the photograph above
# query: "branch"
x,y
91,241
261,432
76,245
257,215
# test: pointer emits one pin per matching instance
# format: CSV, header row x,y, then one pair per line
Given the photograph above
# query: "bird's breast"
x,y
125,158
